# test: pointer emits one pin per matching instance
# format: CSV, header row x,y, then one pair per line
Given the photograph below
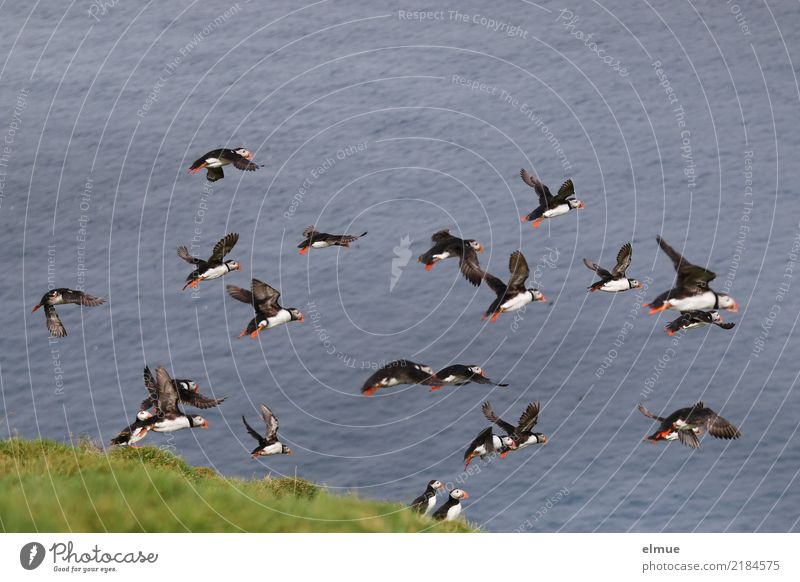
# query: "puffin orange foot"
x,y
370,391
537,222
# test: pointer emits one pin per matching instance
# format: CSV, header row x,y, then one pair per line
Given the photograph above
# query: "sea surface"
x,y
401,119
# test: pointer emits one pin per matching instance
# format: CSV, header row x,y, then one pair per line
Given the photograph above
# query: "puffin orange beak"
x,y
524,219
302,318
735,307
254,456
441,486
205,424
480,248
581,206
544,297
466,495
36,308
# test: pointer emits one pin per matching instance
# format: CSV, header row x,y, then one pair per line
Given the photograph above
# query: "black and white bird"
x,y
320,240
522,434
487,443
216,266
687,423
615,280
215,160
269,444
401,372
549,206
513,296
691,291
459,374
425,503
695,319
451,509
63,296
445,246
188,393
264,300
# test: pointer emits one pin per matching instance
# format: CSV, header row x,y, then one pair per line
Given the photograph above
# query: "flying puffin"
x,y
522,434
401,372
691,291
63,296
487,443
688,423
215,266
451,508
188,393
321,240
549,206
514,295
459,374
425,503
264,300
696,318
269,445
445,245
615,280
214,160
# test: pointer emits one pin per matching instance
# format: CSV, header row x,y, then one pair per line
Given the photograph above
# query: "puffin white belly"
x,y
557,211
283,316
615,286
171,424
703,301
453,512
517,302
215,272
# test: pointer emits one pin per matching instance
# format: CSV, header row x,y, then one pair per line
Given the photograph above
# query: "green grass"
x,y
54,487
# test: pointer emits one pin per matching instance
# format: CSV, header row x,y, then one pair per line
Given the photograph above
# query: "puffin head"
x,y
245,153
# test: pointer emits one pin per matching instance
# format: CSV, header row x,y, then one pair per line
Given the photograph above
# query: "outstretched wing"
x,y
649,414
566,191
541,190
442,235
689,438
240,294
223,247
183,253
310,231
53,322
623,260
265,298
470,265
152,390
691,278
271,421
518,267
167,393
493,418
485,439
720,428
529,417
597,269
252,432
81,298
242,163
197,400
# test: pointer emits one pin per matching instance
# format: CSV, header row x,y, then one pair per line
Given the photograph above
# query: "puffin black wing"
x,y
566,191
492,417
197,400
214,174
240,162
542,191
518,267
691,278
529,417
183,253
253,433
240,294
719,427
81,298
223,247
152,390
470,265
689,439
167,393
485,439
53,322
597,269
623,260
649,414
272,423
265,298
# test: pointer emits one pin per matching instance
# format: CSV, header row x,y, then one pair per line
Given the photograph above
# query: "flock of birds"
x,y
161,411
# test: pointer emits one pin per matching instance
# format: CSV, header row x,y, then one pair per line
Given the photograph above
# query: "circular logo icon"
x,y
31,555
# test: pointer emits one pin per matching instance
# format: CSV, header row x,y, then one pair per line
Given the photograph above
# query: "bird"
x,y
214,161
62,296
188,393
445,245
451,508
459,374
264,300
269,444
697,318
522,434
168,416
320,240
487,443
691,291
401,372
215,267
615,280
550,206
425,503
514,295
688,423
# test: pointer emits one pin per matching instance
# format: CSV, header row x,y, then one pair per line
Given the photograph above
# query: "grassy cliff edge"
x,y
55,487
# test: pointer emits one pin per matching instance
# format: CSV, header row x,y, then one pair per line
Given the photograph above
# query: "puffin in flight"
x,y
688,423
514,295
451,508
445,246
425,503
401,372
522,434
615,280
695,319
214,161
487,443
269,444
459,374
549,206
691,291
320,240
63,296
215,266
264,300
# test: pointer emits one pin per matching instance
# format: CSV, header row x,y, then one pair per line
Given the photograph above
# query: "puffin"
x,y
425,503
188,393
451,508
522,434
401,372
691,291
615,280
168,416
487,443
459,374
214,161
445,246
264,300
320,240
215,267
697,318
688,423
62,296
549,206
514,295
269,444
